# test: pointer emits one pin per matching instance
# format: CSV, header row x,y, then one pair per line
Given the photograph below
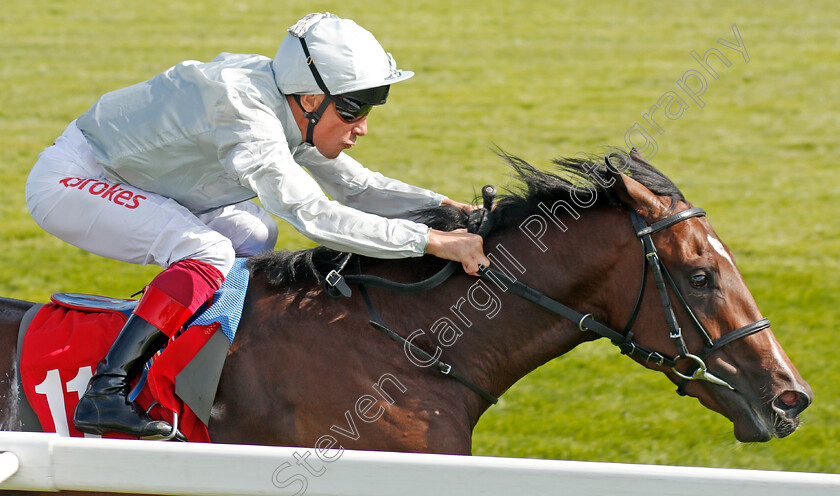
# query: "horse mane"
x,y
575,181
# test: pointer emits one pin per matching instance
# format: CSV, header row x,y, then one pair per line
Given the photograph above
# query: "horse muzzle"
x,y
767,420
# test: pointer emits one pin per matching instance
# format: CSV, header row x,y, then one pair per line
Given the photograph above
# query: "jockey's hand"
x,y
460,246
463,206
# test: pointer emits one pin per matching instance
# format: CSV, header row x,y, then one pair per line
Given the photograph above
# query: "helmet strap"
x,y
313,117
316,115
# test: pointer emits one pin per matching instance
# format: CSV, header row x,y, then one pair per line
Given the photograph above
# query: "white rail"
x,y
9,465
50,463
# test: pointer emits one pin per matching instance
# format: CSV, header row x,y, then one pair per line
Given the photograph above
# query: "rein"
x,y
336,285
480,222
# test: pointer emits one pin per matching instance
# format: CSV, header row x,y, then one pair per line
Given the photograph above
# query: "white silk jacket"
x,y
218,133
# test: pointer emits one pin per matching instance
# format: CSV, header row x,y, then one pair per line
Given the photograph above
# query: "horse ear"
x,y
633,193
641,199
635,155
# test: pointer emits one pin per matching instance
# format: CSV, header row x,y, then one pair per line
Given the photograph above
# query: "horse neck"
x,y
582,267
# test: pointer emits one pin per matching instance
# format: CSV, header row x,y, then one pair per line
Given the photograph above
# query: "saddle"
x,y
60,343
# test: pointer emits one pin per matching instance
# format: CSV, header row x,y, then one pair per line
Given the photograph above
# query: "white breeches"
x,y
69,197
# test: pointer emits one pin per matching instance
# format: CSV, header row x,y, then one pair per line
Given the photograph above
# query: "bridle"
x,y
337,286
624,340
660,276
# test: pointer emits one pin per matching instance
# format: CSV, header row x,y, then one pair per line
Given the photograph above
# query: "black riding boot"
x,y
105,406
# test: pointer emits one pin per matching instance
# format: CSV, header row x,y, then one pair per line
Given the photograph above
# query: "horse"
x,y
307,369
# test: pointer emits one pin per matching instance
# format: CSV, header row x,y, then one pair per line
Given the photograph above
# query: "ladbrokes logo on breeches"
x,y
110,192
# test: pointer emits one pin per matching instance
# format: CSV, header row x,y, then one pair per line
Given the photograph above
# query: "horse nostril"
x,y
792,403
789,398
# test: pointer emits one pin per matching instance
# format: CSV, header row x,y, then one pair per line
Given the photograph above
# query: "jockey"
x,y
162,172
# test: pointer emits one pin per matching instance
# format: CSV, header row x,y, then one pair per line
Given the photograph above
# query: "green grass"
x,y
539,79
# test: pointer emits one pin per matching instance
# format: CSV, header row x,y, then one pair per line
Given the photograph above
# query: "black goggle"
x,y
350,109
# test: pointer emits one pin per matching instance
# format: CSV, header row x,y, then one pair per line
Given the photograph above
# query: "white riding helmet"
x,y
346,56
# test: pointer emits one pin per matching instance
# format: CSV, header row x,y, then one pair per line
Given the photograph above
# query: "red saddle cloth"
x,y
61,349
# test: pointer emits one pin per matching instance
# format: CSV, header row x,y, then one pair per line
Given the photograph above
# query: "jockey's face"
x,y
332,134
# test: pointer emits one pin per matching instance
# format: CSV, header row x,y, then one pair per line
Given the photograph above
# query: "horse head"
x,y
758,388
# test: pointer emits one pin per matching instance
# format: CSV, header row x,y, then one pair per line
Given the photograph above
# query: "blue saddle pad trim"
x,y
228,301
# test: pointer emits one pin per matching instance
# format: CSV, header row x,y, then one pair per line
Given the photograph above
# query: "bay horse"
x,y
308,370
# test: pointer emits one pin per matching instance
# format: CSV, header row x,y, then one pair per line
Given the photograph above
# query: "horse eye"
x,y
699,280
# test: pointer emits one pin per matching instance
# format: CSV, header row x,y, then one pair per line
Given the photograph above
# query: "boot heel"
x,y
87,410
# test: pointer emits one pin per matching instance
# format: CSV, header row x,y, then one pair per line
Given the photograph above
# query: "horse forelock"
x,y
574,180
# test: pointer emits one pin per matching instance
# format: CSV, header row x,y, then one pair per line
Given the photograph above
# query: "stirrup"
x,y
168,437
